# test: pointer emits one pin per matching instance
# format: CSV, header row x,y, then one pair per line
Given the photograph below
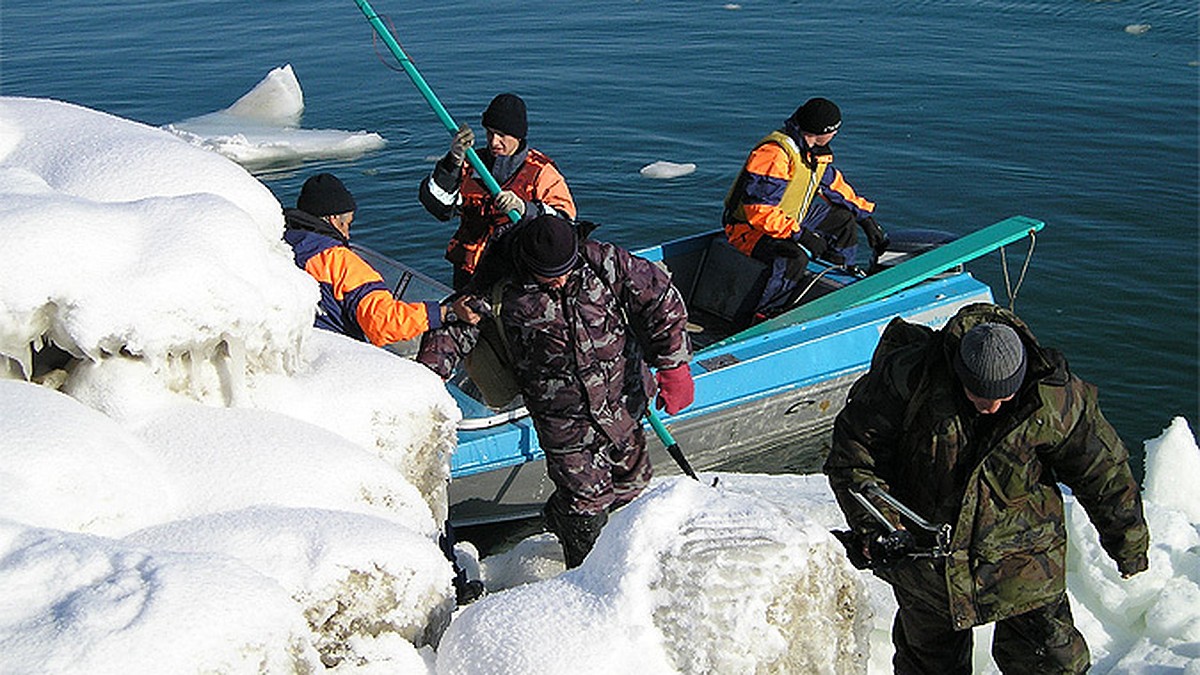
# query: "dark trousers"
x,y
840,232
598,476
1042,640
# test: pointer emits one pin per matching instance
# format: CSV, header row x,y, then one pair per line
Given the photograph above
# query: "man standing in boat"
x,y
354,299
974,426
582,322
530,184
790,204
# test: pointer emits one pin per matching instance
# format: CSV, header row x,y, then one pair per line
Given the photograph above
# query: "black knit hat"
x,y
506,114
324,195
990,361
818,116
549,246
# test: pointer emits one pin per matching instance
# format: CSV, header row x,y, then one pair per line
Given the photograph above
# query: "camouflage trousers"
x,y
598,476
1042,640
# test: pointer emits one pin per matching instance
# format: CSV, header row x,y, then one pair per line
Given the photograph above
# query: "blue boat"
x,y
766,395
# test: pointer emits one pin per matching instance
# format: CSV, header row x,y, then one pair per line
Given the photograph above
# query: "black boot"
x,y
466,590
577,533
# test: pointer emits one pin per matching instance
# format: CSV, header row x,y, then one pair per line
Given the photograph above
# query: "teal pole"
x,y
438,109
493,187
668,440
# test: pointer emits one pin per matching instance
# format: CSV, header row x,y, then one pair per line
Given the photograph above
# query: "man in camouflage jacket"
x,y
975,425
581,322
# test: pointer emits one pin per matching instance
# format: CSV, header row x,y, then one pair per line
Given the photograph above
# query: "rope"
x,y
809,287
1008,287
375,45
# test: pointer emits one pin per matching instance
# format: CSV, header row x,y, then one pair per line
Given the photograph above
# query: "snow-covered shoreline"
x,y
215,486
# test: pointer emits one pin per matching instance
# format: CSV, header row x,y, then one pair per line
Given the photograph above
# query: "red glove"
x,y
675,389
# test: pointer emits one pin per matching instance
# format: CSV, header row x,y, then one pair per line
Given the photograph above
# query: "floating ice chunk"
x,y
260,130
276,99
1137,28
663,169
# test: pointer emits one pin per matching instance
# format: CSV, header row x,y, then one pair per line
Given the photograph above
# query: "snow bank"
x,y
53,450
75,603
117,226
686,579
353,576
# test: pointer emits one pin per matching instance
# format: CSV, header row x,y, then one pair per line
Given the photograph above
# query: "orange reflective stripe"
x,y
843,188
385,320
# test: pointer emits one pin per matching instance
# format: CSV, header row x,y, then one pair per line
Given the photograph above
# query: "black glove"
x,y
769,248
853,543
887,549
877,239
815,244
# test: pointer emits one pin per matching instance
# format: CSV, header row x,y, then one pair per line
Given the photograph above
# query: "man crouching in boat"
x,y
582,322
354,299
974,426
790,204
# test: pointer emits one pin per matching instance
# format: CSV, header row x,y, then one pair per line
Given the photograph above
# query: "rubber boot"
x,y
577,533
466,590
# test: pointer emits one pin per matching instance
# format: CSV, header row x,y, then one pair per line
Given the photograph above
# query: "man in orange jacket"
x,y
530,184
354,299
791,204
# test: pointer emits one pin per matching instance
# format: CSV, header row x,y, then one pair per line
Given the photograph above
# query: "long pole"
x,y
668,440
493,187
438,109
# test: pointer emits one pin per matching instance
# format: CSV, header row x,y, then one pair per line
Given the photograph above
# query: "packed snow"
x,y
261,130
192,479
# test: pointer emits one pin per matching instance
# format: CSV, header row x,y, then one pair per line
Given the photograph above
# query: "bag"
x,y
488,367
488,363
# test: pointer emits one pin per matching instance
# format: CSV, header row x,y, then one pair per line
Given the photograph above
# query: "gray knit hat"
x,y
990,361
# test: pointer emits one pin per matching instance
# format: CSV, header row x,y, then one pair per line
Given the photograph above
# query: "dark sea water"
x,y
958,114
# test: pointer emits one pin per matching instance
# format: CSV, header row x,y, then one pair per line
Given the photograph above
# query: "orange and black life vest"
x,y
537,180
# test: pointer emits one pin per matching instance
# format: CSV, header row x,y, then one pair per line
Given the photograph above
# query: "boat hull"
x,y
766,406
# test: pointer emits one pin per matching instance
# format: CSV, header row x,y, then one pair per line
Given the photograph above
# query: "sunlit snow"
x,y
194,480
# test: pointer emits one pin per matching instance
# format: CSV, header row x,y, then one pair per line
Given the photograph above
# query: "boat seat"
x,y
729,283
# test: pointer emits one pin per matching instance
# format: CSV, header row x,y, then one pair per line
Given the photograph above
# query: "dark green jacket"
x,y
908,426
